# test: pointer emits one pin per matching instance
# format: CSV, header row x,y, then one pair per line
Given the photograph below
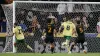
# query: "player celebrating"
x,y
81,37
48,35
19,36
68,30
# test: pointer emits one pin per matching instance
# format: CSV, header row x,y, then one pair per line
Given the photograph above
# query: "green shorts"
x,y
67,37
20,41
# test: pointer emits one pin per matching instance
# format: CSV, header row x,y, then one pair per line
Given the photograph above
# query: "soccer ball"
x,y
43,37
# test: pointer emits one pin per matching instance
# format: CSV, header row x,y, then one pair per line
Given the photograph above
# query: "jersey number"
x,y
19,31
49,29
68,27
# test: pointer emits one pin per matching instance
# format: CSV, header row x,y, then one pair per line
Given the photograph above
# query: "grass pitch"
x,y
49,54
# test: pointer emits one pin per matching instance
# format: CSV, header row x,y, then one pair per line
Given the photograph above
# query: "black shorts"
x,y
20,41
49,39
80,39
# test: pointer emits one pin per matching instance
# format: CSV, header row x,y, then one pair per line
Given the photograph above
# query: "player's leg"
x,y
74,43
72,46
66,43
44,44
78,43
82,45
52,44
15,45
30,48
82,41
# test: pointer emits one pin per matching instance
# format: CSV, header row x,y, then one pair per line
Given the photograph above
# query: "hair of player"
x,y
68,17
16,24
49,20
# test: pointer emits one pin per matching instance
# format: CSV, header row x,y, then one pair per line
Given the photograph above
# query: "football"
x,y
43,37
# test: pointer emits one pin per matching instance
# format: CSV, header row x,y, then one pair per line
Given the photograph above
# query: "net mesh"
x,y
9,17
27,11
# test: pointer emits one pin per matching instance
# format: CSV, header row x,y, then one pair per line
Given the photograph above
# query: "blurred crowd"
x,y
3,25
2,20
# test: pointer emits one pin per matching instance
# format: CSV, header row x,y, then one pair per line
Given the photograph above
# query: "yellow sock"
x,y
67,45
29,47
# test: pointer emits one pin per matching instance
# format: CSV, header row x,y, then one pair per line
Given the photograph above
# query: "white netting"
x,y
25,11
8,11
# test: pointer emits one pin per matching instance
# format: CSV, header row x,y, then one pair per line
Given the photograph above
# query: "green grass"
x,y
48,54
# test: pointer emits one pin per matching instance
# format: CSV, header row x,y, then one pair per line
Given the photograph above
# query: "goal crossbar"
x,y
56,2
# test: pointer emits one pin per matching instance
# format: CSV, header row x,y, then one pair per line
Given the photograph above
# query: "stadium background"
x,y
42,11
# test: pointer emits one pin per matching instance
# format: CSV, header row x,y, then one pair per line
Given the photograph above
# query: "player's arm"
x,y
74,30
86,25
43,33
12,34
97,27
61,28
55,32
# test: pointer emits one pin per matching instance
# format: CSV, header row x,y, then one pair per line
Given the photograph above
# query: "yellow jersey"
x,y
18,33
68,28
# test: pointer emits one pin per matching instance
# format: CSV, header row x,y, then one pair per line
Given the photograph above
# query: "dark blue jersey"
x,y
50,29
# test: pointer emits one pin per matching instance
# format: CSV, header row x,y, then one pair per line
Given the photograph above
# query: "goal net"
x,y
28,11
8,11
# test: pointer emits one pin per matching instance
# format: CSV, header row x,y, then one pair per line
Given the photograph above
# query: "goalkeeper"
x,y
68,30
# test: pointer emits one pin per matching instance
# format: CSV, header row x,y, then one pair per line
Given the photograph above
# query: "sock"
x,y
68,48
52,47
29,47
44,47
82,46
67,45
72,47
15,48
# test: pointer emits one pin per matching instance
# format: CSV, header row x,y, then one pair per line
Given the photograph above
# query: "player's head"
x,y
34,18
48,20
15,24
68,18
